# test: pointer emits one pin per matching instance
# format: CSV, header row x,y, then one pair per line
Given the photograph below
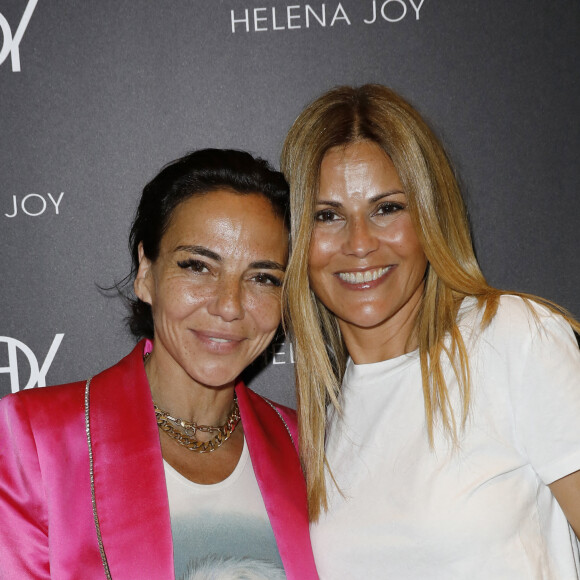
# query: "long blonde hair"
x,y
375,113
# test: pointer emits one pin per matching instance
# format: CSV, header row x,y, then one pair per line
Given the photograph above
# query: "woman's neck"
x,y
390,339
175,392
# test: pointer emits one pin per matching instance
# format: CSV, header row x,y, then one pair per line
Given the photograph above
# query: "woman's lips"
x,y
363,277
219,341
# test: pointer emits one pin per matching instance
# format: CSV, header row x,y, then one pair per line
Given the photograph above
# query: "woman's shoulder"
x,y
66,394
286,415
42,410
289,418
243,389
44,405
45,398
283,409
529,314
513,317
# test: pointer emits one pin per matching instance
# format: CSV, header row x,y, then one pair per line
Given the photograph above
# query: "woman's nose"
x,y
228,301
360,239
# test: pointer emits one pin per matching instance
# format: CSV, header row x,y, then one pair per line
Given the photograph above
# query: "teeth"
x,y
213,339
360,277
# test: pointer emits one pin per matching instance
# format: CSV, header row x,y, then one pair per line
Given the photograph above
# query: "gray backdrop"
x,y
97,96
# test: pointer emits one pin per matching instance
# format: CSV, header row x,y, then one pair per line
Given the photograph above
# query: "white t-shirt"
x,y
482,511
223,525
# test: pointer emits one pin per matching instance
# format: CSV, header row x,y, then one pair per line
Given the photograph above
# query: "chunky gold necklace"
x,y
184,432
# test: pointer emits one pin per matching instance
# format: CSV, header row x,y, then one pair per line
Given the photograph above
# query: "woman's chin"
x,y
216,379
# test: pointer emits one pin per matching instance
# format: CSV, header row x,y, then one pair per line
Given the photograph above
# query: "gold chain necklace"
x,y
184,432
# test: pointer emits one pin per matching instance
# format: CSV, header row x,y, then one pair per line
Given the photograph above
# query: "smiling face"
x,y
366,264
214,289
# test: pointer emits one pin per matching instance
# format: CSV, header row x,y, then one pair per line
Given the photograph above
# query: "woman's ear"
x,y
143,284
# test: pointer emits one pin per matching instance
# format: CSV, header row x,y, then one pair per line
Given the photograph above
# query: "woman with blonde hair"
x,y
439,417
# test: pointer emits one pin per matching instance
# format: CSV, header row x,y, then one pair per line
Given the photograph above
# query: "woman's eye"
x,y
325,215
193,265
267,279
389,207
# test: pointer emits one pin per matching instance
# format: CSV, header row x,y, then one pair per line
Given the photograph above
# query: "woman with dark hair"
x,y
166,464
439,417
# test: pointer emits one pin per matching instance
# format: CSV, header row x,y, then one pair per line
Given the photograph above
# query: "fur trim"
x,y
215,567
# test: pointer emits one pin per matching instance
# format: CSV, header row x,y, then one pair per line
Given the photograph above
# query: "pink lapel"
x,y
130,490
281,482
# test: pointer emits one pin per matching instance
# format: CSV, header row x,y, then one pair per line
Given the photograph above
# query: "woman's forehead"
x,y
225,220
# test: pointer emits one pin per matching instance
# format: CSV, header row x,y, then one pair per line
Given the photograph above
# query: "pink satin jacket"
x,y
82,484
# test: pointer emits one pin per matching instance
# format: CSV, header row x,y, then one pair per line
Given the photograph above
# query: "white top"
x,y
483,511
215,525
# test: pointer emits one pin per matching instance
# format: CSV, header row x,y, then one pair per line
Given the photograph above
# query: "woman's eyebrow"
x,y
200,251
373,199
207,253
330,203
385,194
267,265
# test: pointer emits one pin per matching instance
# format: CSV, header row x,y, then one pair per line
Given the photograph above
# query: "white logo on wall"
x,y
37,372
283,353
11,44
300,16
34,204
279,353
